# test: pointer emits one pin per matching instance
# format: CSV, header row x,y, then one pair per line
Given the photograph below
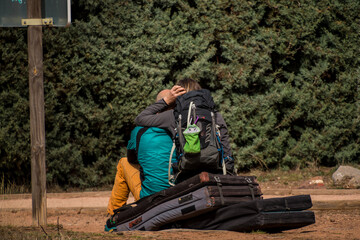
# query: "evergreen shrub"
x,y
284,74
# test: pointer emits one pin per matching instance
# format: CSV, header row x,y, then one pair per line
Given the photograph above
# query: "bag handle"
x,y
171,177
192,108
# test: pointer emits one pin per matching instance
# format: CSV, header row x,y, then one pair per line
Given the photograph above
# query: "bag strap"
x,y
171,178
138,136
251,188
219,185
216,135
192,109
179,135
132,154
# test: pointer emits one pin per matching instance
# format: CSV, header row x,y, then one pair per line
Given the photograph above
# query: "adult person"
x,y
155,116
145,170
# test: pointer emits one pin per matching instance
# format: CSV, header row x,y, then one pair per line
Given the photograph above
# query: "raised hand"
x,y
173,94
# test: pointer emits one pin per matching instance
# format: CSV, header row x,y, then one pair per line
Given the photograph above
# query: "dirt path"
x,y
322,199
337,215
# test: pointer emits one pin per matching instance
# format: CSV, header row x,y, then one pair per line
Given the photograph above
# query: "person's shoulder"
x,y
137,128
135,131
156,130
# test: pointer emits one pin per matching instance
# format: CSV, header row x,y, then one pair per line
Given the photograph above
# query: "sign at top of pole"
x,y
13,13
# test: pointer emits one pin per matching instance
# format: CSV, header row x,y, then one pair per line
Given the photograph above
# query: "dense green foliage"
x,y
284,74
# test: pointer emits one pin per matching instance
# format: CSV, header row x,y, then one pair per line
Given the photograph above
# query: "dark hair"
x,y
189,84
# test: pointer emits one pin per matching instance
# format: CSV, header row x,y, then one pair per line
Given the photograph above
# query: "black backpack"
x,y
195,111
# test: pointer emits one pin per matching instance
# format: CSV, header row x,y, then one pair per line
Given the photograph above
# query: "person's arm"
x,y
225,141
155,116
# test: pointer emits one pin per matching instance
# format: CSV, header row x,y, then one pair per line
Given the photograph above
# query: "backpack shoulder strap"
x,y
138,136
132,154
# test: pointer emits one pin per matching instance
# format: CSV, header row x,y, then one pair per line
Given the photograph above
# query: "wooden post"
x,y
37,116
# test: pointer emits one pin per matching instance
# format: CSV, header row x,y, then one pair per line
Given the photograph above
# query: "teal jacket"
x,y
153,156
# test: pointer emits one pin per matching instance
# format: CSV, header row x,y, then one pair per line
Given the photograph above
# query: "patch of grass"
x,y
258,232
288,176
8,187
53,188
55,233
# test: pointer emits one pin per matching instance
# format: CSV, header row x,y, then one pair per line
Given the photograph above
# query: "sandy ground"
x,y
337,215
